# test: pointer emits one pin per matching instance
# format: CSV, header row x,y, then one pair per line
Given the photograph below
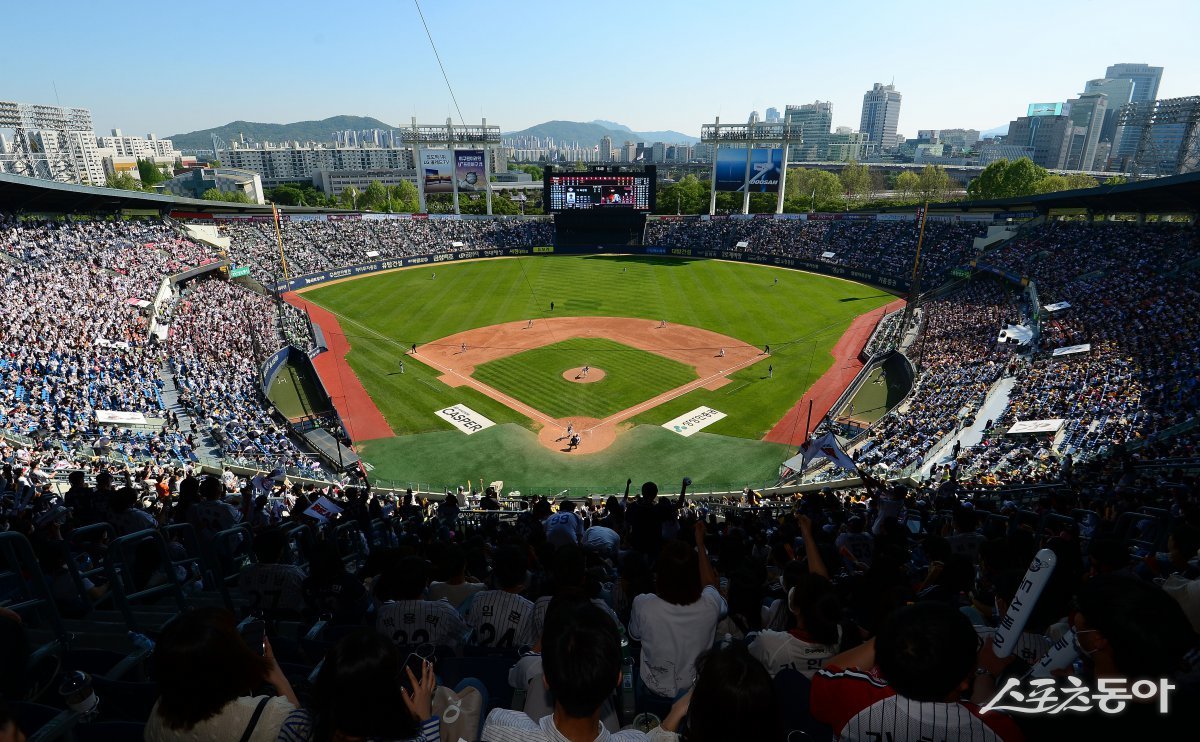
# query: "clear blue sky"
x,y
171,67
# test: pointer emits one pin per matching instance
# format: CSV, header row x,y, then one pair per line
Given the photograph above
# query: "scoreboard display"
x,y
599,189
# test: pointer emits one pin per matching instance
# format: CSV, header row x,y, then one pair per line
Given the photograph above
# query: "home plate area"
x,y
593,421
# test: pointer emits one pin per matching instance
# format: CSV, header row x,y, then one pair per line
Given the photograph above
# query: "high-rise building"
x,y
773,116
1087,112
1118,92
1050,138
629,152
1144,77
605,149
813,121
881,115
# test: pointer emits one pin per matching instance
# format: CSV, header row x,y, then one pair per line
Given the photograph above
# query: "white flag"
x,y
323,509
826,447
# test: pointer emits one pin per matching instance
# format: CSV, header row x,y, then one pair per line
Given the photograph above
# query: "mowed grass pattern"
x,y
536,377
801,317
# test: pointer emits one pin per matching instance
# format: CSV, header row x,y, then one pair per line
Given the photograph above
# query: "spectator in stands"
x,y
212,515
817,635
906,683
125,516
406,617
569,577
678,621
732,699
331,591
581,661
365,691
501,617
564,527
271,585
454,585
206,679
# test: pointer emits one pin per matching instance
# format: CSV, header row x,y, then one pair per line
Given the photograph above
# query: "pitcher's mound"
x,y
576,375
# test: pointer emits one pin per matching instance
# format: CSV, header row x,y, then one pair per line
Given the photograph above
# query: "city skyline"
x,y
202,76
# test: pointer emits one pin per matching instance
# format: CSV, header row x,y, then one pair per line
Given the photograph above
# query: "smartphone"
x,y
416,663
254,633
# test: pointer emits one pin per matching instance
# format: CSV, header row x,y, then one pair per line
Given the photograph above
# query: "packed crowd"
x,y
888,247
220,335
77,315
862,614
960,359
1136,309
311,246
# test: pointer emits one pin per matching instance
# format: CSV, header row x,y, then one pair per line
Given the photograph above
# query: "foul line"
x,y
674,393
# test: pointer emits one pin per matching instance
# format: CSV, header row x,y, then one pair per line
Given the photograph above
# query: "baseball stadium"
x,y
205,401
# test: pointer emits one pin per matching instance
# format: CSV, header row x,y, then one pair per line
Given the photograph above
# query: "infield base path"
x,y
692,346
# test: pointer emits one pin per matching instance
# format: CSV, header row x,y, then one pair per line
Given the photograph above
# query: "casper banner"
x,y
468,170
437,171
765,166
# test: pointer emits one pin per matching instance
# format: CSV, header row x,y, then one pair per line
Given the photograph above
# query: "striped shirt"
x,y
543,604
500,619
861,705
410,622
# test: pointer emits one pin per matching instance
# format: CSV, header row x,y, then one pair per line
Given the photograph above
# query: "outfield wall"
x,y
892,284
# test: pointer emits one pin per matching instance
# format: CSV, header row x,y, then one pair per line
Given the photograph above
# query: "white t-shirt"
x,y
673,636
456,595
782,649
409,622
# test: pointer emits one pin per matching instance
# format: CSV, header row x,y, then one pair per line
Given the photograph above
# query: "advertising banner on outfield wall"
x,y
437,170
468,170
692,422
765,167
465,419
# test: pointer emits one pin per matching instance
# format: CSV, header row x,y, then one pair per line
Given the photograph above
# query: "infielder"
x,y
721,354
462,348
585,371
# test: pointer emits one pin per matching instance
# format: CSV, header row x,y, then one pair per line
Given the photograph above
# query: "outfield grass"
x,y
512,454
295,393
801,318
630,376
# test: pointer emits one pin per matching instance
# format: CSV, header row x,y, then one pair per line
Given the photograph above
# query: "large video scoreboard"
x,y
600,188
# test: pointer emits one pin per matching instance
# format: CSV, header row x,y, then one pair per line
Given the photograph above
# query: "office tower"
x,y
881,115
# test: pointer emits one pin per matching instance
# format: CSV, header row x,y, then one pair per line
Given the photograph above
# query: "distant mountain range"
x,y
994,131
322,131
303,131
590,132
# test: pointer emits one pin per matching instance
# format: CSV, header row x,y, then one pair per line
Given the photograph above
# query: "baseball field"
x,y
660,337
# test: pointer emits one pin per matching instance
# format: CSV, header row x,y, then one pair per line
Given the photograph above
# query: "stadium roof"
x,y
21,193
1173,194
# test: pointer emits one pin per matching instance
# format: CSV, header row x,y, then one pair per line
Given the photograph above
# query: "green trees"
x,y
1004,179
237,197
907,183
810,189
934,184
689,195
348,198
298,194
855,180
124,181
150,173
